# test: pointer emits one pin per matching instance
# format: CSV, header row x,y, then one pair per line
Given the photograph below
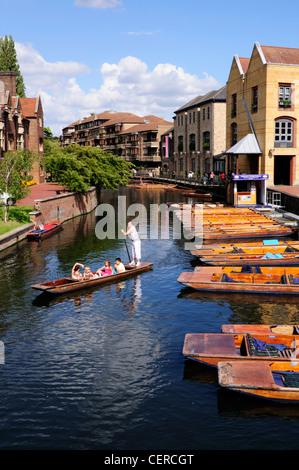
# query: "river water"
x,y
103,368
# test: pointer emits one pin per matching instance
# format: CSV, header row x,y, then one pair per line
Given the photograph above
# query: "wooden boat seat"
x,y
268,350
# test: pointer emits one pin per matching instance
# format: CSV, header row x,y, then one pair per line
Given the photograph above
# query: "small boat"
x,y
260,329
278,381
197,194
47,231
68,284
274,246
257,280
211,348
269,258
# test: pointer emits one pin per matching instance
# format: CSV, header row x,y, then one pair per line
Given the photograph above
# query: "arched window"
x,y
284,133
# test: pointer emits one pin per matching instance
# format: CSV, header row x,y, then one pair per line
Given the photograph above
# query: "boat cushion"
x,y
262,348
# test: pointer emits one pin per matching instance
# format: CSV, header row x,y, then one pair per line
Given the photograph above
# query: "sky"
x,y
139,56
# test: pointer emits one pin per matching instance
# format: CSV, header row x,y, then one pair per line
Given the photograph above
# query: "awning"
x,y
246,146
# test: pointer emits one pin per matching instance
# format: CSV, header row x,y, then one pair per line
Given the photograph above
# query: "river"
x,y
103,368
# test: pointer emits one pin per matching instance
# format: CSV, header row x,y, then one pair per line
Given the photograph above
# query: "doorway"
x,y
282,169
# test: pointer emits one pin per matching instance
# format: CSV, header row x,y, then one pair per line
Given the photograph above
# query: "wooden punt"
x,y
66,285
277,246
260,329
278,381
211,348
47,231
277,280
268,258
197,194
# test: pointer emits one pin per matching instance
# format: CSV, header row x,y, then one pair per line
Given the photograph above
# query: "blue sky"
x,y
139,56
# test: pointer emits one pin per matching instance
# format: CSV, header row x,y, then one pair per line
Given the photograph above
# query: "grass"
x,y
18,216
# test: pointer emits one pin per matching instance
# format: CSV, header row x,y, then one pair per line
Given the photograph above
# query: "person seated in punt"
x,y
87,273
76,271
118,267
105,270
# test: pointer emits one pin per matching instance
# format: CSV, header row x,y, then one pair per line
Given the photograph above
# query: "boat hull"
x,y
66,285
258,380
209,279
212,348
35,235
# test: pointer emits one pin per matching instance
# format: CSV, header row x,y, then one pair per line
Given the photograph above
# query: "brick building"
x,y
21,122
199,134
262,114
126,135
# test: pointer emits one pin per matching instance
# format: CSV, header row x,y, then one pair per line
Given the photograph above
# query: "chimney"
x,y
8,82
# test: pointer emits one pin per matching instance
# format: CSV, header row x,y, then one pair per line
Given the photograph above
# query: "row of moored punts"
x,y
257,360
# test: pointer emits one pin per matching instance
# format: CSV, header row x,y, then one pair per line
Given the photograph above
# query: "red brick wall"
x,y
64,206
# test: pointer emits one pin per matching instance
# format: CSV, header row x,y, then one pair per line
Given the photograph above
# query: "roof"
x,y
29,106
212,96
280,55
246,146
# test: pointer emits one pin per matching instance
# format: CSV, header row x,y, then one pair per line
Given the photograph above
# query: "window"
x,y
285,96
206,141
234,106
234,133
192,142
254,104
208,112
181,143
284,131
203,114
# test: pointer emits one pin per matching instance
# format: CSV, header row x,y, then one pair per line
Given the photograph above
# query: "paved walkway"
x,y
40,191
44,190
292,190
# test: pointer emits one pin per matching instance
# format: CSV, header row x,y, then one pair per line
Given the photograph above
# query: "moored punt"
x,y
211,348
260,329
65,285
225,279
264,259
275,246
218,224
274,380
47,231
197,194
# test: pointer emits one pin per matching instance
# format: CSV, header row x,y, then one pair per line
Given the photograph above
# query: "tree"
x,y
78,167
15,168
9,63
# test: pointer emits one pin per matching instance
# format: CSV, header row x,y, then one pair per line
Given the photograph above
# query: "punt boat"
x,y
269,258
68,284
260,329
253,248
278,381
47,231
211,348
258,280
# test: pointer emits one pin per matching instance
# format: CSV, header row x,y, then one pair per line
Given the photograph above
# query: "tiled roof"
x,y
214,95
152,126
281,55
28,106
244,61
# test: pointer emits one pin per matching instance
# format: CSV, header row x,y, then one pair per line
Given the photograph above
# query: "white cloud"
x,y
128,86
99,4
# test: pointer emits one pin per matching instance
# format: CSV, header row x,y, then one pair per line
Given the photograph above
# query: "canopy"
x,y
246,146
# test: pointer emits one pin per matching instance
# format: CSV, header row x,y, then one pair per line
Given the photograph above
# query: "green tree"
x,y
15,168
78,167
9,62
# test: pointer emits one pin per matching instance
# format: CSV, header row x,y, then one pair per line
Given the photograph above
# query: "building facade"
x,y
21,123
126,135
262,114
199,134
